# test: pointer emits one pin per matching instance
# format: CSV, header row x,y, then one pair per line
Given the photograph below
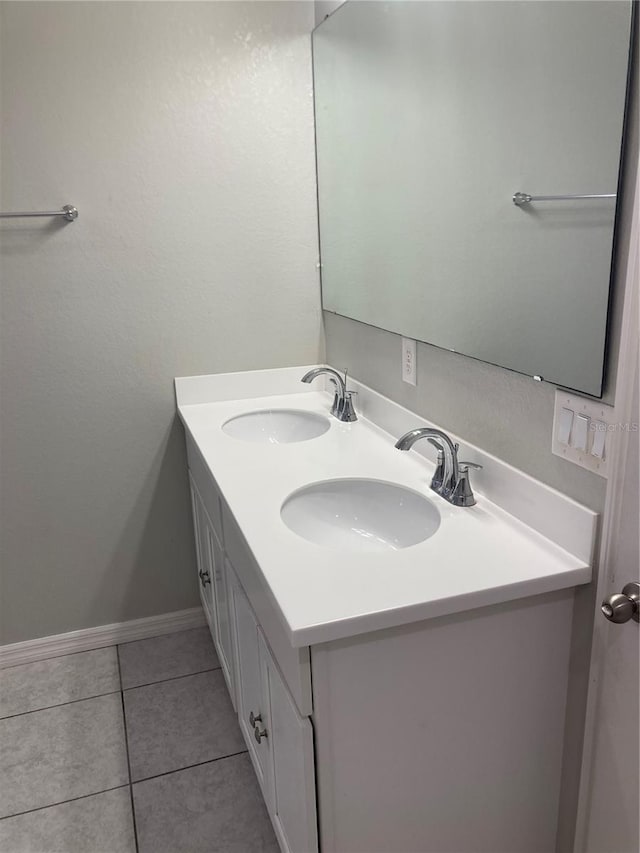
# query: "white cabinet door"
x,y
292,763
212,577
205,584
221,605
279,738
249,689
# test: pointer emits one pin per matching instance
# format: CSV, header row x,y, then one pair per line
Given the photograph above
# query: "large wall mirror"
x,y
430,117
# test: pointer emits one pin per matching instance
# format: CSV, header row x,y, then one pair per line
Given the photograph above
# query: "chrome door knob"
x,y
622,606
204,578
254,718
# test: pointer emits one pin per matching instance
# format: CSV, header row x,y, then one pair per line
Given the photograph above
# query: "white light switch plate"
x,y
600,417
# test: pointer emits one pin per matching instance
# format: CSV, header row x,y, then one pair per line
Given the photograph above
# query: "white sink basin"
x,y
360,515
276,426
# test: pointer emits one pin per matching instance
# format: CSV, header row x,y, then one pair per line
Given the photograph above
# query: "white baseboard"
x,y
97,638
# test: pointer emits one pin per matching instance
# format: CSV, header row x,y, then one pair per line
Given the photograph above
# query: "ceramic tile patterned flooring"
x,y
129,748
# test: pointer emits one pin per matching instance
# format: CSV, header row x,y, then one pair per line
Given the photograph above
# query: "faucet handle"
x,y
346,411
463,467
462,494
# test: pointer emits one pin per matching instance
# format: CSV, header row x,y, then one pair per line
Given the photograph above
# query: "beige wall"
x,y
183,132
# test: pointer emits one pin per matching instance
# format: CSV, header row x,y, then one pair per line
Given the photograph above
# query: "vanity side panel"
x,y
446,736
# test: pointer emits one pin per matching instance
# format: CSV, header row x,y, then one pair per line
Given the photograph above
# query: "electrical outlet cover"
x,y
409,367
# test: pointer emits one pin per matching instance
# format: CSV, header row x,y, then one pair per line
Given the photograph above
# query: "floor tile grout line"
x,y
190,766
171,678
126,744
60,705
64,802
133,818
119,669
126,785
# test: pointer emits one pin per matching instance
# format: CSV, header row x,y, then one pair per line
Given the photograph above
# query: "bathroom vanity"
x,y
399,665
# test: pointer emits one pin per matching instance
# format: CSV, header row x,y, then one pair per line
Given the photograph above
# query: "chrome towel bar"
x,y
524,198
68,211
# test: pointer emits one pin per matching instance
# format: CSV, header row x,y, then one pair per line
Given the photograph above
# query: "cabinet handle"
x,y
259,734
204,578
254,718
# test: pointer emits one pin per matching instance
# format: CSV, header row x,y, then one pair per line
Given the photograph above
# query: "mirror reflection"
x,y
430,118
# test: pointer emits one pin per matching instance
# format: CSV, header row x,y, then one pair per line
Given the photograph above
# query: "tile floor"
x,y
130,748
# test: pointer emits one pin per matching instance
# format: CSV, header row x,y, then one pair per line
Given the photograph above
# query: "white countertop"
x,y
480,555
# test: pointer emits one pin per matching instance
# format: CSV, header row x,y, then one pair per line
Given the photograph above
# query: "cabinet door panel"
x,y
294,664
221,604
250,692
205,485
205,584
291,737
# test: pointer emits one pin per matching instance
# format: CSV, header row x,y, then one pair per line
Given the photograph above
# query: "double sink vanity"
x,y
395,627
396,647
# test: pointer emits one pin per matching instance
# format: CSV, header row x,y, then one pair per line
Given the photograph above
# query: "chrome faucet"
x,y
342,407
451,478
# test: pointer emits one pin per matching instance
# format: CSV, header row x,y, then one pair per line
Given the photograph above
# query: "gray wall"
x,y
183,132
505,413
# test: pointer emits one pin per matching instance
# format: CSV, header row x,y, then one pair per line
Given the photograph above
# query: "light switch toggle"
x,y
599,430
580,432
565,424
